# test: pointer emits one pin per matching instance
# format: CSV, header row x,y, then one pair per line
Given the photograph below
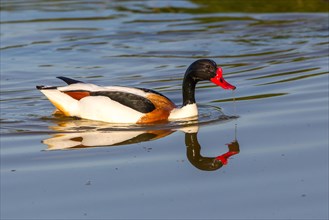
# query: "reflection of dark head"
x,y
205,163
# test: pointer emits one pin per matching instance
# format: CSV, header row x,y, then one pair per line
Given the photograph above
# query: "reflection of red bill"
x,y
220,81
223,158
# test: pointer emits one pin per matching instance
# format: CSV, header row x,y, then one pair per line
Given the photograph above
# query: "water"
x,y
64,168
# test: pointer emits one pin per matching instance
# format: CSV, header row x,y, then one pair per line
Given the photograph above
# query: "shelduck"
x,y
117,104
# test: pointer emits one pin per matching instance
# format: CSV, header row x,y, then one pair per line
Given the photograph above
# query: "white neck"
x,y
187,111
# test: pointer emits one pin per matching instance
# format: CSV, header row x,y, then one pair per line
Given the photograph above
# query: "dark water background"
x,y
277,56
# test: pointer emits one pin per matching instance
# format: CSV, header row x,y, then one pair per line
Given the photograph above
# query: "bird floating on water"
x,y
118,104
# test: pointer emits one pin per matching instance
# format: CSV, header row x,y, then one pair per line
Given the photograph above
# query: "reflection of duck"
x,y
75,134
132,105
78,135
98,139
207,163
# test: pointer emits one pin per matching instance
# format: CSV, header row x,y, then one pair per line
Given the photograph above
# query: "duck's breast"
x,y
163,107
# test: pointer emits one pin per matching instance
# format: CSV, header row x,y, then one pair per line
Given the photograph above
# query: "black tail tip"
x,y
46,87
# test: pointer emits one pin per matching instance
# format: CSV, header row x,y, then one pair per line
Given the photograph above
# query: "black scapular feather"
x,y
130,100
69,81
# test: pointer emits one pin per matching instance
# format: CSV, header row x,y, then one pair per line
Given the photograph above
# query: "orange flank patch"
x,y
77,94
163,107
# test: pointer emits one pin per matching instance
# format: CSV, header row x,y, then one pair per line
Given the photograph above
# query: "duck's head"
x,y
206,69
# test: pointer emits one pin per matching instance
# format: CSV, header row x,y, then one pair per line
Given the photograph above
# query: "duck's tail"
x,y
63,102
46,87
